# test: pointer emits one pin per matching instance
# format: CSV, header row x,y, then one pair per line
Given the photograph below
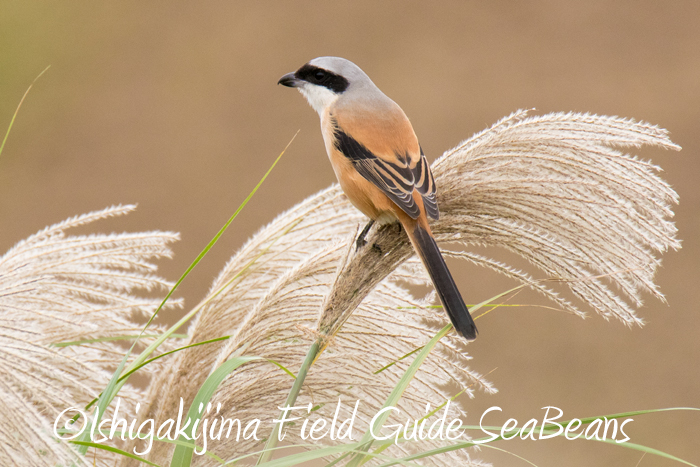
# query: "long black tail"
x,y
442,280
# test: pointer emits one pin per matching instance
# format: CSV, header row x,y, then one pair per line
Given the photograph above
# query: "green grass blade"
x,y
217,339
113,338
12,121
397,360
645,449
220,232
467,444
588,420
257,453
135,369
115,384
403,383
307,456
585,421
182,456
141,435
88,444
169,333
281,367
398,391
102,403
139,363
291,399
512,454
303,458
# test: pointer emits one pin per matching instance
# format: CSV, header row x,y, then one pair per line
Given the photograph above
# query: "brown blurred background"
x,y
175,106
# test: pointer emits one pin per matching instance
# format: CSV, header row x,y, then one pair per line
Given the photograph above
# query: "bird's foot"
x,y
360,242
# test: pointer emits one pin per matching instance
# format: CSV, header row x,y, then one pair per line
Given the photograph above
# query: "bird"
x,y
379,164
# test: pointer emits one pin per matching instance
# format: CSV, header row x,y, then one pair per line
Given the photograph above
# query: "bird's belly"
x,y
363,194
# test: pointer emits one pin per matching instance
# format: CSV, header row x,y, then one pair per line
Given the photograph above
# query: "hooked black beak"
x,y
289,80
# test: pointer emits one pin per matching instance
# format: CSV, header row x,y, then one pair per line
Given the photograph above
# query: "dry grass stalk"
x,y
552,188
56,288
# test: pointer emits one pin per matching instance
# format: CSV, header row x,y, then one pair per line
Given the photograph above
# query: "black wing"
x,y
395,180
425,184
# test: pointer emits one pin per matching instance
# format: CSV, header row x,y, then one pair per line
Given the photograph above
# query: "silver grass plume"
x,y
552,188
56,288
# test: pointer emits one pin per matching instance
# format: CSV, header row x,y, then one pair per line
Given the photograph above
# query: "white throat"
x,y
319,97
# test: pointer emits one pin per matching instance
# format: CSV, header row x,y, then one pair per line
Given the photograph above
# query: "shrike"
x,y
380,165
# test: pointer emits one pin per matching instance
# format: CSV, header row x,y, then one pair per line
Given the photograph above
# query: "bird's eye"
x,y
319,75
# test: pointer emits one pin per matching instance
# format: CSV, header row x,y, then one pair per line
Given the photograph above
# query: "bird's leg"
x,y
360,242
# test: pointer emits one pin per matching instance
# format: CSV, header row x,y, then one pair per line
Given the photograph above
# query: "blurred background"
x,y
175,106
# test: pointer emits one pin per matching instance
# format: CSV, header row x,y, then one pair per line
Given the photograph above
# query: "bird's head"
x,y
324,79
